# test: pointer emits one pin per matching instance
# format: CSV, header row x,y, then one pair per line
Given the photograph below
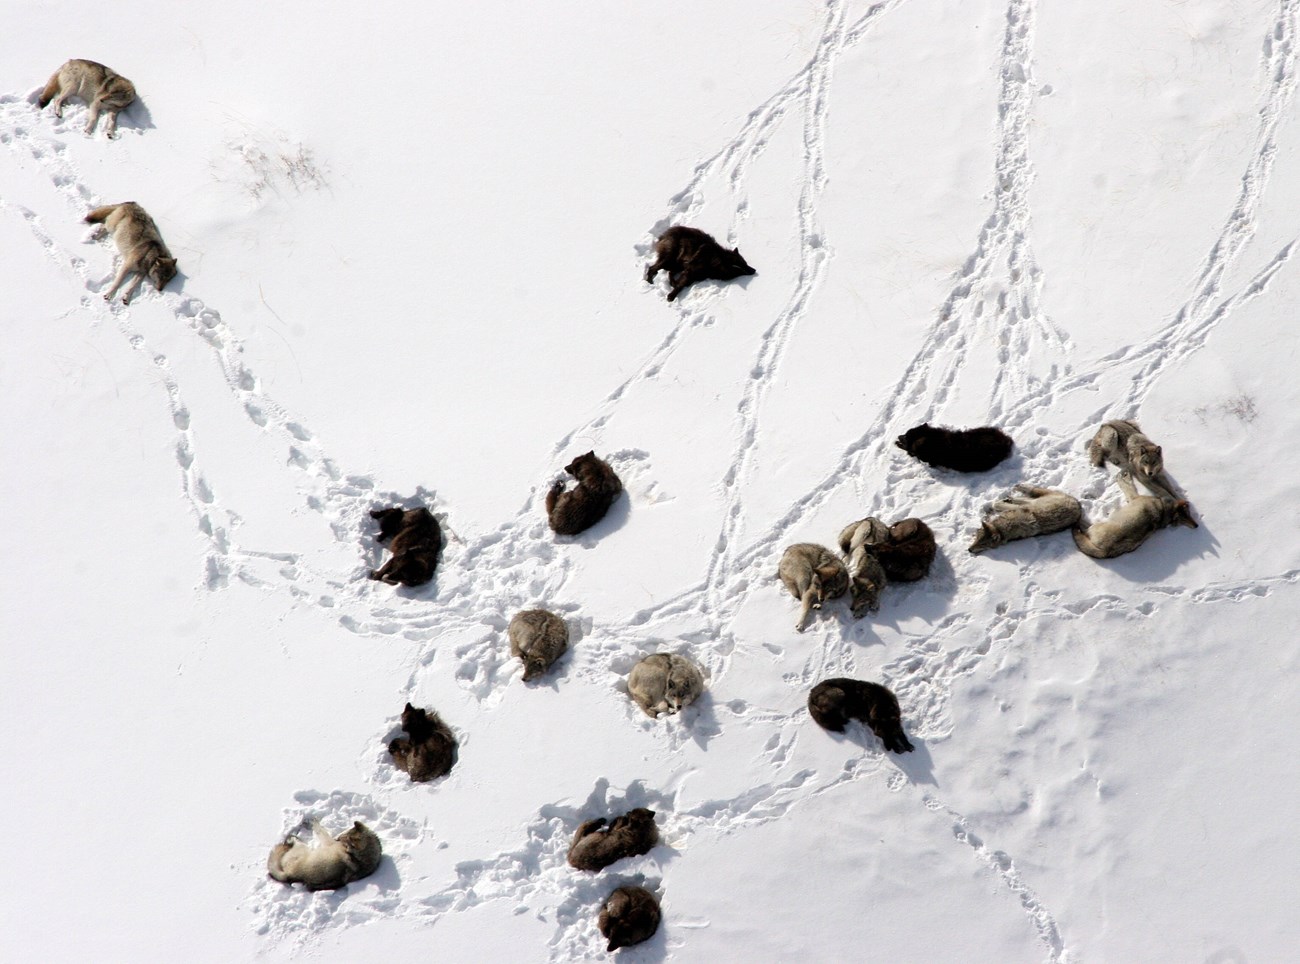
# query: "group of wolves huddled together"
x,y
873,555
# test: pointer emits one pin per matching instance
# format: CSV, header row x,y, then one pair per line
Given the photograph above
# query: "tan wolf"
x,y
538,638
1124,444
1029,511
140,244
664,683
1130,526
101,88
858,542
813,575
332,863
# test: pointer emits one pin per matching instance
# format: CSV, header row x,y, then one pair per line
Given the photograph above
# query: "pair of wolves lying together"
x,y
630,915
876,554
133,231
1033,511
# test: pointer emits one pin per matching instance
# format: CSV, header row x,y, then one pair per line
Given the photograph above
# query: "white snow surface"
x,y
411,241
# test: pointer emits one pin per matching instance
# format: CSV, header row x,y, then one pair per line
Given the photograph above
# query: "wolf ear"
x,y
409,708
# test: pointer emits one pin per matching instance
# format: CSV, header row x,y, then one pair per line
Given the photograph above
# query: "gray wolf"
x,y
664,683
417,537
595,846
1029,511
103,90
141,246
538,638
867,577
630,916
332,863
429,749
1122,443
689,255
813,575
834,702
586,503
1132,524
966,450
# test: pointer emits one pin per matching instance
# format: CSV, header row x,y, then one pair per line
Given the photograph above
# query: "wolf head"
x,y
987,538
533,668
1180,514
730,265
576,467
1145,455
679,690
162,271
362,847
910,441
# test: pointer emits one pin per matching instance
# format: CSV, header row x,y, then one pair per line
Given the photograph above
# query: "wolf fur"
x,y
664,683
429,749
965,450
417,538
585,504
1028,511
141,246
630,916
332,863
538,638
909,551
813,575
1132,524
103,90
834,702
596,846
689,255
1123,443
867,577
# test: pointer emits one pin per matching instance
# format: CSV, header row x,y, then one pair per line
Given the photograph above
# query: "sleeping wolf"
x,y
1132,524
101,89
664,683
140,244
813,575
596,846
690,255
331,864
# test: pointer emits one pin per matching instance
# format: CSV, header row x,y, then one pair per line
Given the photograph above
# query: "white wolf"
x,y
101,88
333,863
142,248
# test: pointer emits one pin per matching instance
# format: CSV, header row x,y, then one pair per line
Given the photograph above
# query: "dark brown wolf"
x,y
689,255
594,847
429,749
834,702
417,537
585,504
909,551
966,450
630,916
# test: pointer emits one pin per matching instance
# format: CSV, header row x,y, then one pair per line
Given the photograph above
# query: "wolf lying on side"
x,y
1132,524
867,577
965,449
630,916
1033,512
332,864
102,89
1123,443
429,749
417,537
140,244
583,506
664,683
538,638
834,702
689,255
813,575
631,834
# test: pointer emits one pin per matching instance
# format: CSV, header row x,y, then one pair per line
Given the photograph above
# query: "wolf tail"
x,y
99,215
51,88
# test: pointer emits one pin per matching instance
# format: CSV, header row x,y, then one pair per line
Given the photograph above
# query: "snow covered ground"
x,y
411,240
